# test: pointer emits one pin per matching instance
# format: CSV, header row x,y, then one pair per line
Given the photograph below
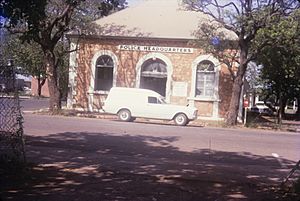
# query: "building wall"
x,y
34,88
127,74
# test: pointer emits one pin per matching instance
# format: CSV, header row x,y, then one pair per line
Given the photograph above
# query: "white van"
x,y
129,103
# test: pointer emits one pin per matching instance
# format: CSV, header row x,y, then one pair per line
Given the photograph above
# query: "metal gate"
x,y
11,119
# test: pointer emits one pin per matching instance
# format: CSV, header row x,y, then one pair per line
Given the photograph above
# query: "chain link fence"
x,y
11,119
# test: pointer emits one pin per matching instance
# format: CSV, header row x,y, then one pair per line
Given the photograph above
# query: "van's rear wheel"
x,y
181,119
124,115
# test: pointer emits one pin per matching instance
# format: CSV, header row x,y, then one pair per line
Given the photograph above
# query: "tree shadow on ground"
x,y
160,122
106,167
269,122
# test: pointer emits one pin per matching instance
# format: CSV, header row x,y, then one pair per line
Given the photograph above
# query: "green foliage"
x,y
47,19
27,56
46,22
245,19
280,57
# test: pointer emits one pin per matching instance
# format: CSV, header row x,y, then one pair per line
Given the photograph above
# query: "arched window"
x,y
205,79
154,76
154,68
104,73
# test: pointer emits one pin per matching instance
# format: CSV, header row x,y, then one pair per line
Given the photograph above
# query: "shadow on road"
x,y
161,122
104,167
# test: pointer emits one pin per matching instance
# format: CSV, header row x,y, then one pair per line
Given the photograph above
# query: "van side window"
x,y
152,99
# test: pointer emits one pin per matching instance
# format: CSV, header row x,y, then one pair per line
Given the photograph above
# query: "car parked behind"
x,y
261,108
130,103
2,87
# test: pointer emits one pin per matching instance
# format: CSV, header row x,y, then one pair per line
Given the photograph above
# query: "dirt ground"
x,y
290,123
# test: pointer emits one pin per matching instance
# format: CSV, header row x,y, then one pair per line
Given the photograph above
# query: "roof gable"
x,y
153,19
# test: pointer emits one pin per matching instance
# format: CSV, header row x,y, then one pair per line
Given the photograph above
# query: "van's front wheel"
x,y
181,119
124,115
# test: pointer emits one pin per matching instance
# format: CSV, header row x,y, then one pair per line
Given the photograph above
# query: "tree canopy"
x,y
245,18
46,21
280,57
27,56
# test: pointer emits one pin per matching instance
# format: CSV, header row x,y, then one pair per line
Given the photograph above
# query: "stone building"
x,y
149,46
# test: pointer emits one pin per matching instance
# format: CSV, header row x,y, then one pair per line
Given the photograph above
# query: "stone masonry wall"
x,y
126,71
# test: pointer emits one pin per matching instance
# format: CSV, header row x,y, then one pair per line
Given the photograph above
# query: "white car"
x,y
130,103
2,87
261,108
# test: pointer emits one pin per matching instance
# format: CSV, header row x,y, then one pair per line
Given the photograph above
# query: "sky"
x,y
133,2
1,20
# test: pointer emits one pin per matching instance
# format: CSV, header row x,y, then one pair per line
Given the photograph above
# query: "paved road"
x,y
155,162
30,104
94,159
189,139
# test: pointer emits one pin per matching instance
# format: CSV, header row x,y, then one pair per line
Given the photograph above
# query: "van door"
x,y
156,108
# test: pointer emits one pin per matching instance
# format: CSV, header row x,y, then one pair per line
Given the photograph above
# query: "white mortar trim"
x,y
169,70
93,68
72,75
215,99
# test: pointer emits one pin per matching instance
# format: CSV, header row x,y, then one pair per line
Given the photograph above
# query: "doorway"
x,y
154,76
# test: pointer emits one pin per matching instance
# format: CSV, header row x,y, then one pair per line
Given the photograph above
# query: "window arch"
x,y
206,67
154,75
104,73
154,68
140,67
205,79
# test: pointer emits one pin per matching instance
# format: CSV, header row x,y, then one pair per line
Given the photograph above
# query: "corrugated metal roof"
x,y
154,19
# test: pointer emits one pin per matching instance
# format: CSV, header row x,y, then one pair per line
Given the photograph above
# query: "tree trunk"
x,y
54,102
41,82
39,87
280,111
231,116
298,109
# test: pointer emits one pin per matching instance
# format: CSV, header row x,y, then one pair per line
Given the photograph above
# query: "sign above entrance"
x,y
156,49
